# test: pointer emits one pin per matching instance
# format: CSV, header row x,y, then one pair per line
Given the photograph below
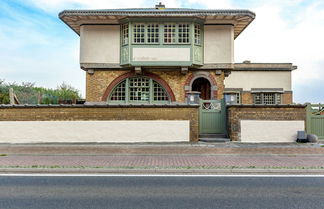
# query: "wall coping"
x,y
267,106
4,106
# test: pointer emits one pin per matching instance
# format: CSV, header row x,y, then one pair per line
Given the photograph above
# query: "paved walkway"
x,y
229,155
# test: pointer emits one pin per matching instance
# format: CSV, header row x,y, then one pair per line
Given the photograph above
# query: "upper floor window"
x,y
183,33
139,90
197,34
169,33
153,33
139,33
267,98
172,33
125,34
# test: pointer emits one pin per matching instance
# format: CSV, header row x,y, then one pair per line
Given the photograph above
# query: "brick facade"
x,y
236,113
97,83
247,98
105,112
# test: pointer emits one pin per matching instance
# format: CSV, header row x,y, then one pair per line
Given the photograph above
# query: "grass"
x,y
1,155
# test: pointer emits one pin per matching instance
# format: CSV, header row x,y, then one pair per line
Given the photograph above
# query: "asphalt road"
x,y
153,192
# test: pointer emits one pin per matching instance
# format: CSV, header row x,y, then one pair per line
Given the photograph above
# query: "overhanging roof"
x,y
264,66
75,18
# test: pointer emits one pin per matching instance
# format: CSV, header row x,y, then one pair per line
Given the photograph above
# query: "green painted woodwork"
x,y
212,117
126,96
196,50
314,120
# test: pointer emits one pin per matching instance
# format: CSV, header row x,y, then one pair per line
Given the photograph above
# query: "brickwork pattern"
x,y
97,83
104,113
237,113
247,98
287,98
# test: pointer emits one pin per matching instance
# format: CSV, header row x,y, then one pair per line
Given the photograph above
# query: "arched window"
x,y
139,90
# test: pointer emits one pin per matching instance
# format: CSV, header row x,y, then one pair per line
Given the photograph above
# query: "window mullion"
x,y
176,33
127,91
151,92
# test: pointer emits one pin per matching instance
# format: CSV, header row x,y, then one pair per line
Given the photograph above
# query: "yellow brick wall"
x,y
81,113
97,83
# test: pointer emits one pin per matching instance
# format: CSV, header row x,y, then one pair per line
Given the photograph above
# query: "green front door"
x,y
212,117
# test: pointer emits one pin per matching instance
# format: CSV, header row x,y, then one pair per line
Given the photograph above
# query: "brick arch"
x,y
155,77
202,74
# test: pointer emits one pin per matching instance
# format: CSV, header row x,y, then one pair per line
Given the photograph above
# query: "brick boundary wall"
x,y
236,113
103,112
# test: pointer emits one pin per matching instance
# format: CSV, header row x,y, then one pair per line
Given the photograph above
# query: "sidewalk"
x,y
162,158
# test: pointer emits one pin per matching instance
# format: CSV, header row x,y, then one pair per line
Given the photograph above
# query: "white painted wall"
x,y
93,131
161,54
99,44
262,131
259,79
218,44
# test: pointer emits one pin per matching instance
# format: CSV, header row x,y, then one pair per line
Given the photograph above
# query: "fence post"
x,y
11,96
308,118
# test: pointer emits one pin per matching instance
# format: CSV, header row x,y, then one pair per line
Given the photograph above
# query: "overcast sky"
x,y
36,46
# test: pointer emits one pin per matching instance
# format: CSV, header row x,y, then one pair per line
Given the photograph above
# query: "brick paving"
x,y
164,161
163,156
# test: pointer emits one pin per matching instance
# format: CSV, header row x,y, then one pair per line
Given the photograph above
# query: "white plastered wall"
x,y
261,131
99,44
259,79
94,131
218,44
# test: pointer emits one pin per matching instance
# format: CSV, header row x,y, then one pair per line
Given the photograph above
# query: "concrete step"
x,y
212,135
214,139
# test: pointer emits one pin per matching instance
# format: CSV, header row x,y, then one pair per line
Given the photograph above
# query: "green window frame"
x,y
267,98
184,33
232,98
139,33
125,34
139,90
197,34
153,33
169,33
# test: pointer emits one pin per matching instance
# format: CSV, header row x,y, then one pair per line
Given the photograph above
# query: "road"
x,y
157,192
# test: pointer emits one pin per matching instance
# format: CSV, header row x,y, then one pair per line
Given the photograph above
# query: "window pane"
x,y
139,89
232,98
139,33
159,93
183,33
257,99
197,34
169,33
152,33
269,98
119,92
125,33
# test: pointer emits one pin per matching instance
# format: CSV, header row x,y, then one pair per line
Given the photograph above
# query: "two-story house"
x,y
157,55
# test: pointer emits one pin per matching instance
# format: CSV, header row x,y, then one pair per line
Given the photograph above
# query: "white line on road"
x,y
155,175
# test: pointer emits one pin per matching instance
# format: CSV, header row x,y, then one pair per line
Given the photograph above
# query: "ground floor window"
x,y
232,98
139,90
267,98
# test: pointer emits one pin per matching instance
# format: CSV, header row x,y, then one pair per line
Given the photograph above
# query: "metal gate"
x,y
212,117
315,120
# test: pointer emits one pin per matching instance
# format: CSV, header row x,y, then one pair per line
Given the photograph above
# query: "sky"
x,y
36,46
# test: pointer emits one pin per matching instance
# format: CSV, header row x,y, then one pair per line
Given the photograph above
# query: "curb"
x,y
236,171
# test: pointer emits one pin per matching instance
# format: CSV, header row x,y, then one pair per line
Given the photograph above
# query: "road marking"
x,y
153,175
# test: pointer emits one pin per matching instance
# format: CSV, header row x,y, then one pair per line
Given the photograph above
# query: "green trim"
x,y
127,93
196,51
